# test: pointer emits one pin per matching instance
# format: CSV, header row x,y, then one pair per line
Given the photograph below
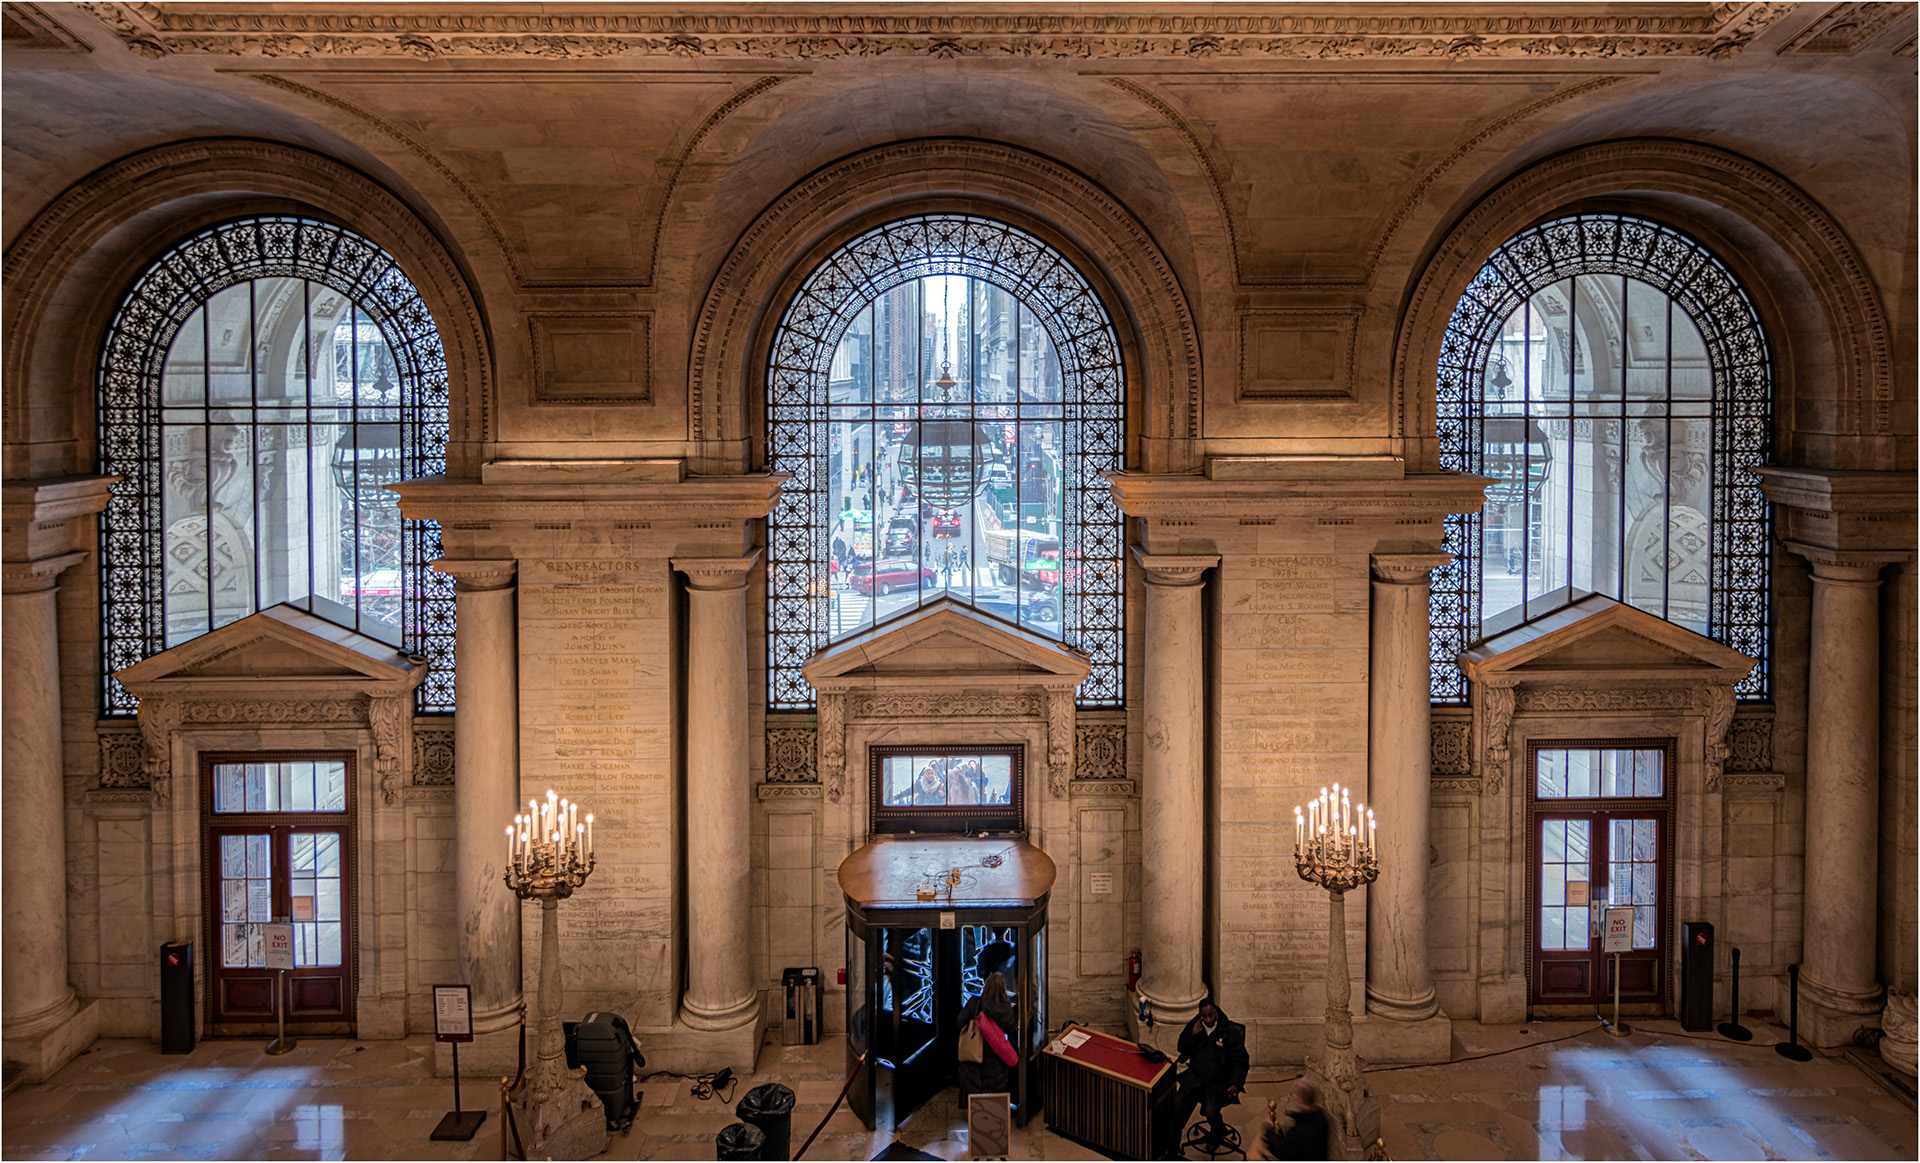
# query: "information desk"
x,y
1106,1094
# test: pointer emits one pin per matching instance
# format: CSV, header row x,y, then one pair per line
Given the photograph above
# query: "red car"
x,y
888,576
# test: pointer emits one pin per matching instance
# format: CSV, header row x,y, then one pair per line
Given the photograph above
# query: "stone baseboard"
x,y
1389,1042
685,1050
489,1057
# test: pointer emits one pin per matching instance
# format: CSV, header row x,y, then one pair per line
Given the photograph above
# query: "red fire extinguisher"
x,y
1133,969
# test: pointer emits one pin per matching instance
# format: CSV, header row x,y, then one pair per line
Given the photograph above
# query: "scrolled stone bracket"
x,y
1496,709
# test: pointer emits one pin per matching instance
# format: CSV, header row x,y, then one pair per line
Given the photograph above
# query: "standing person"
x,y
1301,1133
1215,1051
995,1015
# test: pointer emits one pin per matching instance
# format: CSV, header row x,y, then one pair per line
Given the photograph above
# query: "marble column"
x,y
486,793
1838,981
1173,790
1399,768
720,993
39,1002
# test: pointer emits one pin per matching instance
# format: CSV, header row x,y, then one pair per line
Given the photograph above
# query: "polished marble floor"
x,y
1551,1090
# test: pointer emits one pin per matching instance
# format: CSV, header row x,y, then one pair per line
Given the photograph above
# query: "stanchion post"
x,y
1791,1048
1731,1028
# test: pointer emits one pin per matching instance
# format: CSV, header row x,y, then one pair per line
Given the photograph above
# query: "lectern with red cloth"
x,y
1102,1091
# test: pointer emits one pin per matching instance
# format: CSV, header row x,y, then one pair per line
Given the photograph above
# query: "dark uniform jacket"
x,y
1216,1059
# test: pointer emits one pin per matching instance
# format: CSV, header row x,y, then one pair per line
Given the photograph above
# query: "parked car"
x,y
887,576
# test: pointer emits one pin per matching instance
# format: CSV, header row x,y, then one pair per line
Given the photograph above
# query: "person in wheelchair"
x,y
1214,1051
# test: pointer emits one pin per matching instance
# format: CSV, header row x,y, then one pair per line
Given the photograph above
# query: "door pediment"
x,y
945,638
1597,639
281,646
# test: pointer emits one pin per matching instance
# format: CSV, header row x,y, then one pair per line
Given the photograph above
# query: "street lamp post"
x,y
549,854
1334,848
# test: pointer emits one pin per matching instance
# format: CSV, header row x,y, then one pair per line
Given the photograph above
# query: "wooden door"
x,y
279,848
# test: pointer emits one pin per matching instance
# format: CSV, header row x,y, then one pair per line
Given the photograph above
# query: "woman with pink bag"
x,y
992,1015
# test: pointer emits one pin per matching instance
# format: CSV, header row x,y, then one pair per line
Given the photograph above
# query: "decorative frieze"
x,y
789,791
1120,788
791,756
1595,698
955,705
155,30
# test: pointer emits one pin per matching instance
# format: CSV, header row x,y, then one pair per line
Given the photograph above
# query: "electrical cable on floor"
x,y
1580,1033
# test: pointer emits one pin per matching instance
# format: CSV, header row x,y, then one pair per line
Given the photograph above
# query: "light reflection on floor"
x,y
1553,1090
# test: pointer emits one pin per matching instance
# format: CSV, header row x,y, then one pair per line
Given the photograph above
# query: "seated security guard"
x,y
1215,1052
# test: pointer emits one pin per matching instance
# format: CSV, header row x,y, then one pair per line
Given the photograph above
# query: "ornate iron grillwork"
x,y
1083,603
1491,433
405,394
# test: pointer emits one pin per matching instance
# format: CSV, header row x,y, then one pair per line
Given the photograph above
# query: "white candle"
x,y
589,835
509,845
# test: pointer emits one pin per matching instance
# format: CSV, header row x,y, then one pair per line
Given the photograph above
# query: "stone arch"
x,y
1062,207
1831,338
76,259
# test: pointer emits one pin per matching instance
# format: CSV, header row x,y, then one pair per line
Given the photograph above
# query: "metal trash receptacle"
x,y
176,997
801,1024
739,1141
769,1106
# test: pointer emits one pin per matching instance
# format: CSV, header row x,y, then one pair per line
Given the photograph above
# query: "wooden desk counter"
x,y
993,871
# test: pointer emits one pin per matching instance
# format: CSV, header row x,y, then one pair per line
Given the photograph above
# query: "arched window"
x,y
946,391
1611,375
262,383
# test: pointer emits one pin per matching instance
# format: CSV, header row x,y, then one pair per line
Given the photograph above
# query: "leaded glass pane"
x,y
1612,378
262,384
944,392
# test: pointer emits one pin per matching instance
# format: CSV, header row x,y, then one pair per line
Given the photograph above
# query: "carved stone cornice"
x,y
1332,32
1407,569
475,575
1175,570
42,573
46,520
1422,497
694,501
1844,511
717,573
1117,788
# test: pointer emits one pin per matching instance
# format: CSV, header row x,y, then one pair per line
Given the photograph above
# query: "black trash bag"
x,y
604,1045
739,1141
769,1106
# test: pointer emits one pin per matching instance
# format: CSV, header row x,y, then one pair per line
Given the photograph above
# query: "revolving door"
x,y
920,946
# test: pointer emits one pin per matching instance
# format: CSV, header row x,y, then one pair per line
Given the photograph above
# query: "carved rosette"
x,y
1100,751
791,753
387,719
1496,710
159,717
122,760
833,744
1452,748
432,757
1750,743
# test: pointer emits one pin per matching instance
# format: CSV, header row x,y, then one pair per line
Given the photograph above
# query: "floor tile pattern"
x,y
1551,1090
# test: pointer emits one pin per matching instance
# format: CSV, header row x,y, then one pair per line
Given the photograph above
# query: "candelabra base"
x,y
1353,1113
570,1124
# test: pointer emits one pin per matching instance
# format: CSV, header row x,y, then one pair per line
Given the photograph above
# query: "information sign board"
x,y
453,1013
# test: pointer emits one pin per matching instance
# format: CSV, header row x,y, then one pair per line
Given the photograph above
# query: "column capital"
x,y
473,575
717,573
40,573
1407,569
1846,566
1174,569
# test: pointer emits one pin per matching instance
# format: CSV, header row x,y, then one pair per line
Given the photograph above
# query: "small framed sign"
x,y
1618,937
453,1013
303,908
279,936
